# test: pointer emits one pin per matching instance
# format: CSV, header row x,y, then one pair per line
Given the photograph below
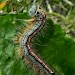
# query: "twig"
x,y
69,2
49,6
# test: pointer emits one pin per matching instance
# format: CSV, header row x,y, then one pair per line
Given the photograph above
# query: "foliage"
x,y
54,44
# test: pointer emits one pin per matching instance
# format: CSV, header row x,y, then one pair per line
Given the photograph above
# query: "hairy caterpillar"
x,y
25,38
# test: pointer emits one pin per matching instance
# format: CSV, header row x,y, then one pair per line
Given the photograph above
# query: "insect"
x,y
29,32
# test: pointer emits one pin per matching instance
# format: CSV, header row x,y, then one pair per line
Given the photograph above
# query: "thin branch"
x,y
68,2
49,6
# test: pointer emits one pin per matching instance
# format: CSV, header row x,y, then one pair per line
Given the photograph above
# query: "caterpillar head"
x,y
32,11
35,10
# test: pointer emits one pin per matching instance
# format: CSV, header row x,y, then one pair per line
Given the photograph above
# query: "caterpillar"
x,y
29,32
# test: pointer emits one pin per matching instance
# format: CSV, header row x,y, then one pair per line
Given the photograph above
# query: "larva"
x,y
25,40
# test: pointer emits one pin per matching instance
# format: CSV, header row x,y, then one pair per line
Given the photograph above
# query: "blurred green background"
x,y
54,44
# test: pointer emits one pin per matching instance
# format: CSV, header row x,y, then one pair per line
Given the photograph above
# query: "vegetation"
x,y
55,44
